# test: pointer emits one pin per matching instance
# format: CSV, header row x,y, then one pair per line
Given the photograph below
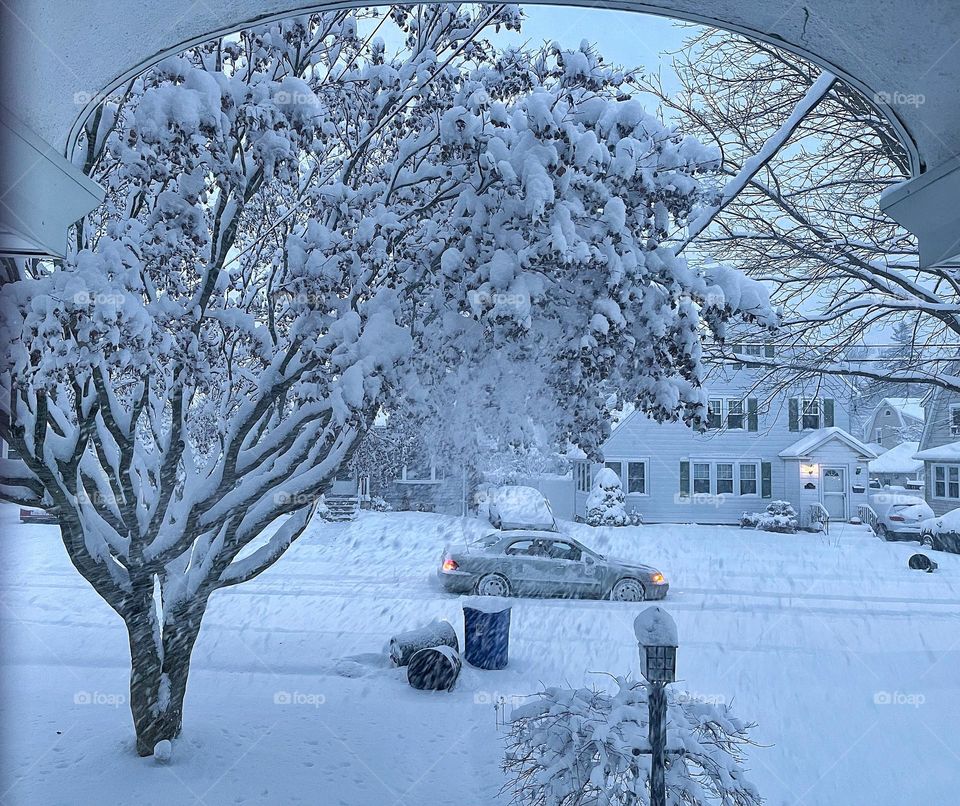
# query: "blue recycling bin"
x,y
486,633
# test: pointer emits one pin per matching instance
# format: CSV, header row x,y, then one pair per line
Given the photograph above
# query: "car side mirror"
x,y
589,560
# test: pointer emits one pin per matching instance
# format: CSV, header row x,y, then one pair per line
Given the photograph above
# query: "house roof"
x,y
908,406
813,440
941,453
899,459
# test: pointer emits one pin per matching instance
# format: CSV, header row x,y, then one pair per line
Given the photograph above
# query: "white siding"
x,y
666,445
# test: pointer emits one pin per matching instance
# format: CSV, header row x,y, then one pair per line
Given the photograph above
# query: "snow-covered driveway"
x,y
845,659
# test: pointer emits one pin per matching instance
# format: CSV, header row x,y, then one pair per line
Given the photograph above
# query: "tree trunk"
x,y
159,667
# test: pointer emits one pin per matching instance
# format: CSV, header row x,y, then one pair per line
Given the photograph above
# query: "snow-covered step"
x,y
342,507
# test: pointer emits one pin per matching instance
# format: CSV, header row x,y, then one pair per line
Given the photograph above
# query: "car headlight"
x,y
657,578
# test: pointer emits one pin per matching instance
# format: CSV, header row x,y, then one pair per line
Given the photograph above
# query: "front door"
x,y
345,482
834,491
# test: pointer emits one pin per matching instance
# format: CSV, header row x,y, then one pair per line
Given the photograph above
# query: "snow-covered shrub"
x,y
576,748
380,504
606,502
634,518
779,516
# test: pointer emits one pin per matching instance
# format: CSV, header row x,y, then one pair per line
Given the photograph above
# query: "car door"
x,y
572,572
525,566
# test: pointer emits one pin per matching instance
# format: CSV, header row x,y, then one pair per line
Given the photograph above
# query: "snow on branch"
x,y
752,166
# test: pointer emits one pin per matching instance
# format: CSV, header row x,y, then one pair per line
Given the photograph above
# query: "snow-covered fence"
x,y
868,515
819,515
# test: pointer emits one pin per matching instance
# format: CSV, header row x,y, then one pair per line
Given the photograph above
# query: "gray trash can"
x,y
486,632
435,668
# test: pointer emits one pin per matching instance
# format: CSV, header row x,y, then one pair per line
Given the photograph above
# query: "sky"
x,y
623,37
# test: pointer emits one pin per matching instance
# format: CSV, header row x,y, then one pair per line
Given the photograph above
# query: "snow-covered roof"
x,y
941,453
909,406
899,459
877,448
808,443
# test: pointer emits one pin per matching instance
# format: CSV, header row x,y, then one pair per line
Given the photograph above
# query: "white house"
x,y
895,420
940,451
898,467
795,446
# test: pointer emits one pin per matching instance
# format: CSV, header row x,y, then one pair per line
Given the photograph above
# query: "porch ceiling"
x,y
60,57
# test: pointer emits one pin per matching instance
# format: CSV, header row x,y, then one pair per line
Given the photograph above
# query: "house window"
x,y
734,414
748,479
725,479
715,413
811,414
878,436
583,477
701,478
616,468
637,478
421,471
13,453
946,482
955,421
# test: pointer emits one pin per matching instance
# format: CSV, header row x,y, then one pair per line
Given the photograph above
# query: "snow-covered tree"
x,y
577,747
809,222
301,230
606,501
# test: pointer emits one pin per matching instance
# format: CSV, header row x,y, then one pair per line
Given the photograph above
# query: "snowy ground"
x,y
847,660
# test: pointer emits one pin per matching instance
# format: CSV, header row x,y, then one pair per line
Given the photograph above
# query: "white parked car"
x,y
517,507
900,515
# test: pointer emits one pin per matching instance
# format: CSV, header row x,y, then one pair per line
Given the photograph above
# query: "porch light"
x,y
656,633
808,469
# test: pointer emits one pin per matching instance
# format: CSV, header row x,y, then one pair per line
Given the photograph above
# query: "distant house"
x,y
8,451
418,482
895,420
796,447
898,467
940,451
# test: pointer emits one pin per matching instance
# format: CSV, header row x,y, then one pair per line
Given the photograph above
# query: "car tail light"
x,y
25,513
897,518
450,564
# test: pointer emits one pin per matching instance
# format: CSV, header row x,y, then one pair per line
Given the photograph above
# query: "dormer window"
x,y
757,350
955,421
811,414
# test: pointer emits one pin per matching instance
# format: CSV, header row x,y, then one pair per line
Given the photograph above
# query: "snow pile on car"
x,y
516,507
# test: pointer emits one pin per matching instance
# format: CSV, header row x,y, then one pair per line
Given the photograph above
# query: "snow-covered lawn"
x,y
845,659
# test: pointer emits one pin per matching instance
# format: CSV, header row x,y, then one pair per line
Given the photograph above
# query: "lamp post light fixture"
x,y
656,633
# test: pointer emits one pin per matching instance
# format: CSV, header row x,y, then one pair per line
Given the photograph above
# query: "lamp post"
x,y
656,633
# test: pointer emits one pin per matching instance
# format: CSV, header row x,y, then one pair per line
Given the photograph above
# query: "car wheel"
x,y
883,533
627,590
493,585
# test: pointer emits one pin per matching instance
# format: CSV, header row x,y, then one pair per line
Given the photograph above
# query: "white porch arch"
x,y
60,57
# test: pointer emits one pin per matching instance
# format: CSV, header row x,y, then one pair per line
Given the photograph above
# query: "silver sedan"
x,y
532,563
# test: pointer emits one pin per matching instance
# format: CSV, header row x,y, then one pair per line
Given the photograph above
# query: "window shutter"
x,y
684,478
828,412
752,419
766,481
794,414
